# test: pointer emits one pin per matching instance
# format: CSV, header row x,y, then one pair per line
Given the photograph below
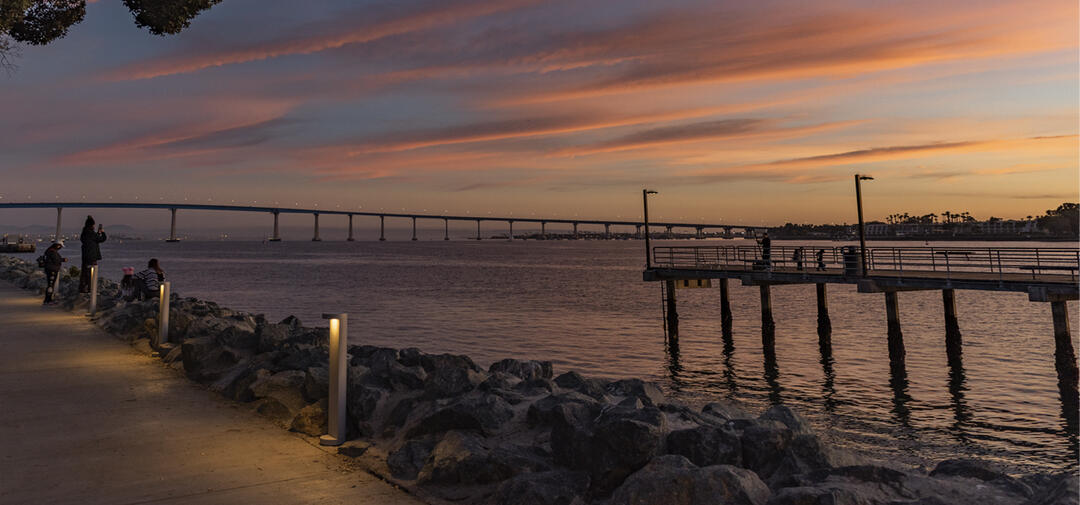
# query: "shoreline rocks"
x,y
518,433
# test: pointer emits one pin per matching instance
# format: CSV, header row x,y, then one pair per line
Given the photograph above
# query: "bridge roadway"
x,y
276,211
1045,274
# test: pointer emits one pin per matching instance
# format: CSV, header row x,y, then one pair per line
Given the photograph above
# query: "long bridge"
x,y
669,226
1045,274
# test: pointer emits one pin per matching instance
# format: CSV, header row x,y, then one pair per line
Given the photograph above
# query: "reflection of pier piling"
x,y
824,323
953,342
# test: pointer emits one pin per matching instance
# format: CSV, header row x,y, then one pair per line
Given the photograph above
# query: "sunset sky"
x,y
740,112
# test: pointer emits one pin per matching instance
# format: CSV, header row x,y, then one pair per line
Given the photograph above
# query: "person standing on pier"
x,y
53,262
766,250
91,251
797,257
821,260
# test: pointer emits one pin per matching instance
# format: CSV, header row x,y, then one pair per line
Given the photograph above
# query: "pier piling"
x,y
1064,354
954,347
896,336
725,309
768,327
824,323
672,310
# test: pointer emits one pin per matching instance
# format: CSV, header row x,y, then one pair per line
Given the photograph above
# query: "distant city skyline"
x,y
754,114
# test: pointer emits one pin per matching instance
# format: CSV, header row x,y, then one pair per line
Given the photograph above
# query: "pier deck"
x,y
87,420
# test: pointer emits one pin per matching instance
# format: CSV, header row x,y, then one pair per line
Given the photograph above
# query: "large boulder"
x,y
479,412
539,412
610,446
649,394
450,381
706,445
406,462
205,360
590,387
557,487
525,370
237,332
281,395
674,480
311,420
464,458
273,336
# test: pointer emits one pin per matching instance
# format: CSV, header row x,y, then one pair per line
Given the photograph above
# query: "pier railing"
x,y
945,261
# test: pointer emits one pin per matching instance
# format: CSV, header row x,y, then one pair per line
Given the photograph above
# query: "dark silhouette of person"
x,y
821,260
91,251
797,257
766,249
53,262
148,281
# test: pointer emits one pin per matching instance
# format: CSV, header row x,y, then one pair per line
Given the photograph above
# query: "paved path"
x,y
85,419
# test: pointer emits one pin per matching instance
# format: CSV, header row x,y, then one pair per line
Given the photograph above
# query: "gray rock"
x,y
317,383
590,387
235,332
539,412
782,413
1062,489
463,458
525,370
432,362
281,395
558,487
610,446
673,480
706,445
450,381
405,463
205,360
482,412
649,394
273,336
728,412
311,420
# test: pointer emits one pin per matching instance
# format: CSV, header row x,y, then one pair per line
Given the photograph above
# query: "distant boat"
x,y
19,246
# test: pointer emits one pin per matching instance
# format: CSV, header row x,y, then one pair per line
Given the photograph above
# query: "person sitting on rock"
x,y
53,262
127,284
148,281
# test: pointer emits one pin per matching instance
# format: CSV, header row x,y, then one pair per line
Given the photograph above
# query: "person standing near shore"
x,y
766,250
53,262
91,251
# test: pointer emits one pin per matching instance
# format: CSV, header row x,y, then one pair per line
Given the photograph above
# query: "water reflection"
x,y
898,381
772,376
674,365
957,388
828,388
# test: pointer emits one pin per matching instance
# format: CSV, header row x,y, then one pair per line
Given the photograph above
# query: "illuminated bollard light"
x,y
163,315
93,289
339,343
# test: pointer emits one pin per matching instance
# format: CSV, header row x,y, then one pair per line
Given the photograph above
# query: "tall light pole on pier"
x,y
645,201
862,226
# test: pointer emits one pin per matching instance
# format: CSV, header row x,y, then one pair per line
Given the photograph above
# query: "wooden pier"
x,y
1046,275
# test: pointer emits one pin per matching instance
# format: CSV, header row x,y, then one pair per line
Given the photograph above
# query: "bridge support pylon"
x,y
350,239
316,238
511,223
414,228
277,234
446,229
59,211
477,229
382,228
172,227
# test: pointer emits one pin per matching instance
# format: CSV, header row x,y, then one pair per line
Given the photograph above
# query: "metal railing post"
x,y
339,344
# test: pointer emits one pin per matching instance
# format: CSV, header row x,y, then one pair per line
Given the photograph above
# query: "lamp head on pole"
x,y
864,177
650,192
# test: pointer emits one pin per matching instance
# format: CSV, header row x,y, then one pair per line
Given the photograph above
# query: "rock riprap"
x,y
517,434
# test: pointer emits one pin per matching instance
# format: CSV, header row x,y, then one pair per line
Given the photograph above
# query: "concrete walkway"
x,y
85,419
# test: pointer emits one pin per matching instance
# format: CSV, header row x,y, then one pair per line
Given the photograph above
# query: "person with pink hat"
x,y
127,284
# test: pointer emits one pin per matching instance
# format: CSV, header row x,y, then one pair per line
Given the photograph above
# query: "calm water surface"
x,y
582,304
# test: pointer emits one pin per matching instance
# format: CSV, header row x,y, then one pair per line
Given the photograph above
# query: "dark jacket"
x,y
91,249
53,260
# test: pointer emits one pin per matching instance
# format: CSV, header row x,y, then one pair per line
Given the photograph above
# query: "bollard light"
x,y
339,343
163,315
93,289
